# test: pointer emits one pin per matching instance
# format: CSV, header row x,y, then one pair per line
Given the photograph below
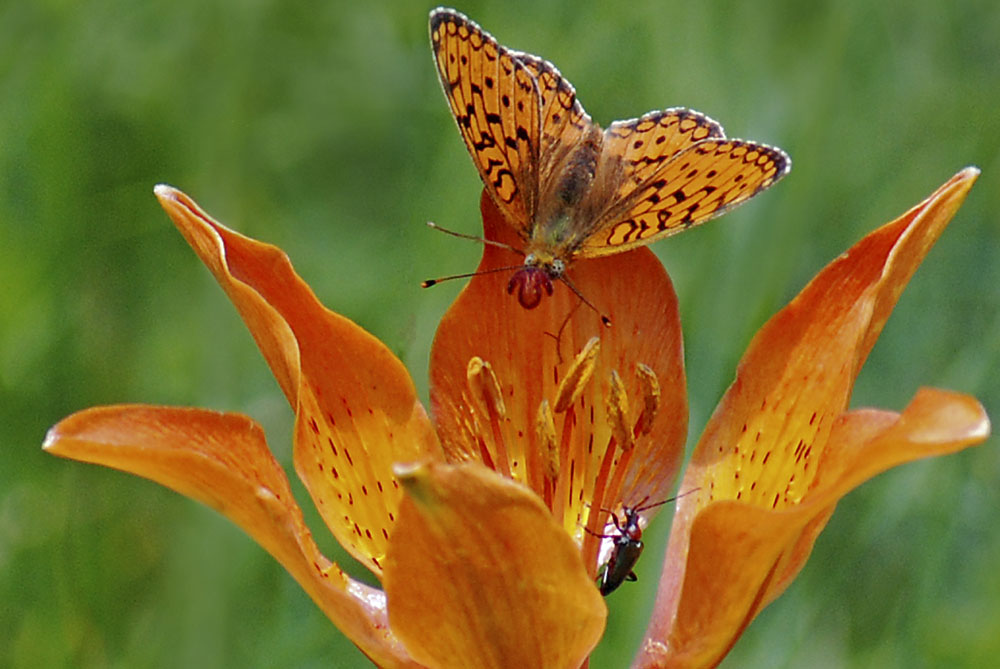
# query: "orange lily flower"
x,y
576,417
782,447
508,572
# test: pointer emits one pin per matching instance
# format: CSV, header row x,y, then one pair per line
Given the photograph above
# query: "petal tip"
x,y
982,429
415,479
51,438
963,181
165,192
970,172
407,472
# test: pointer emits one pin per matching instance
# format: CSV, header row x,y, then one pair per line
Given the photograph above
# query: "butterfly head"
x,y
534,280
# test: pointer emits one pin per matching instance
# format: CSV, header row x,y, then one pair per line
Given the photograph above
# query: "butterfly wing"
x,y
495,100
694,185
643,145
564,123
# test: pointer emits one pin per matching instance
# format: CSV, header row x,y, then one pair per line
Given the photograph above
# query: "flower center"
x,y
582,443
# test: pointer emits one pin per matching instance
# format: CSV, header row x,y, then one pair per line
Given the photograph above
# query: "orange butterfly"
x,y
568,188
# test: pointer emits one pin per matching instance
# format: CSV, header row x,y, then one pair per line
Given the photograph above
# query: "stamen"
x,y
578,376
488,398
545,425
562,494
484,453
617,408
600,493
611,479
485,387
611,476
570,389
650,398
613,491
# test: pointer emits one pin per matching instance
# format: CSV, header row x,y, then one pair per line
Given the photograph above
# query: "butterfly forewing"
x,y
495,101
695,185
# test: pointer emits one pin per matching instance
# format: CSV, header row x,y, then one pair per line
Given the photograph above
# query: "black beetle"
x,y
628,545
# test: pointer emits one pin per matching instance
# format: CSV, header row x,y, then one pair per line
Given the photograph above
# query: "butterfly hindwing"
x,y
642,146
695,185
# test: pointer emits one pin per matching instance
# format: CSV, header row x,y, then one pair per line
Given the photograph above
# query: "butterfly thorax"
x,y
562,218
556,230
550,240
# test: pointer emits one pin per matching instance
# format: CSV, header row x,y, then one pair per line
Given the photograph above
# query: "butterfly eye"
x,y
558,267
530,260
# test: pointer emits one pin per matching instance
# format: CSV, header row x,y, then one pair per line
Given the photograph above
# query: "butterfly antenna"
x,y
604,319
461,235
431,282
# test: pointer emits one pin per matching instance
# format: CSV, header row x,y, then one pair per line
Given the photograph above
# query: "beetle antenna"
x,y
640,507
600,536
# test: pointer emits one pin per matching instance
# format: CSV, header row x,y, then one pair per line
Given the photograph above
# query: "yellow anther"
x,y
545,426
578,376
485,388
617,407
650,396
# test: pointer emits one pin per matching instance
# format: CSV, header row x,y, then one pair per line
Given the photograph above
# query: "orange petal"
x,y
869,442
936,422
769,432
356,406
531,351
222,460
479,575
739,558
779,441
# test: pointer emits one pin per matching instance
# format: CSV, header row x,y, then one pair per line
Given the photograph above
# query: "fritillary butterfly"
x,y
570,189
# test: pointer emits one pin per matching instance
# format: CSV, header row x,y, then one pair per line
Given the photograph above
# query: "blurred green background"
x,y
321,128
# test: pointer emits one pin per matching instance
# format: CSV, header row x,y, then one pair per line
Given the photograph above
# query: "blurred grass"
x,y
322,129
